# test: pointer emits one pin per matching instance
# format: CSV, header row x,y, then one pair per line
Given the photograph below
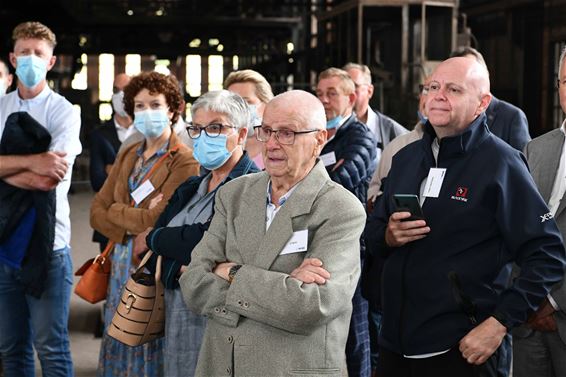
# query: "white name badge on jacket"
x,y
434,182
297,243
142,192
328,158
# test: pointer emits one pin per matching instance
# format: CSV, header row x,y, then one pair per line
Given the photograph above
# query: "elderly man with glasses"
x,y
276,270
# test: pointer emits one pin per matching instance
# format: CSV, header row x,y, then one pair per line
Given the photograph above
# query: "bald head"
x,y
471,70
458,94
120,82
288,157
300,105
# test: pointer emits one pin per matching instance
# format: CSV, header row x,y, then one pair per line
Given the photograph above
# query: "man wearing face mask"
x,y
105,141
5,78
350,159
34,299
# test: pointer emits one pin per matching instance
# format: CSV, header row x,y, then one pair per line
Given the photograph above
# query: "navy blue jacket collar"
x,y
243,166
462,143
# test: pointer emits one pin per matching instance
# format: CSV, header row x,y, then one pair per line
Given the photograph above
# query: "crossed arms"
x,y
41,171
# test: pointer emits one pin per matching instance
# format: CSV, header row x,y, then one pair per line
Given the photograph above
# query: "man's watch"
x,y
232,272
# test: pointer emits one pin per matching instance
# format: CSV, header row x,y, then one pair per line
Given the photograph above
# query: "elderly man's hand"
x,y
399,232
480,343
222,269
543,319
311,271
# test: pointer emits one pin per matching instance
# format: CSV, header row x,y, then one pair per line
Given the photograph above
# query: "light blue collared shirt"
x,y
272,209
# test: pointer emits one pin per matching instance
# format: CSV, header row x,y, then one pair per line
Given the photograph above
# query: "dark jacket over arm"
x,y
24,135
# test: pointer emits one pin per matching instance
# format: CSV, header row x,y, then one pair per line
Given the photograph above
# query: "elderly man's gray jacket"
x,y
267,323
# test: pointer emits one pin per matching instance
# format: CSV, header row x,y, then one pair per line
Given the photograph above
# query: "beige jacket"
x,y
266,323
390,150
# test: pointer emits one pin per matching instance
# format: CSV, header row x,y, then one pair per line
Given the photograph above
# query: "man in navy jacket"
x,y
441,315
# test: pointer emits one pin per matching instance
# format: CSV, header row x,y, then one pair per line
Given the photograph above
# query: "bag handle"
x,y
102,256
157,267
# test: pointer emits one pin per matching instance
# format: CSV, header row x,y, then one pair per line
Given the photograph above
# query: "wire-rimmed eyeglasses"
x,y
283,136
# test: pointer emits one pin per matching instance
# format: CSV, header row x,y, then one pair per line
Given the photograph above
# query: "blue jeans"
x,y
28,322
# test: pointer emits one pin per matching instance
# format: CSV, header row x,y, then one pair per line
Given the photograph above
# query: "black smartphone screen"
x,y
409,203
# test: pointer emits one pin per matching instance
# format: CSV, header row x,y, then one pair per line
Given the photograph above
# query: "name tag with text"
x,y
142,192
328,158
297,243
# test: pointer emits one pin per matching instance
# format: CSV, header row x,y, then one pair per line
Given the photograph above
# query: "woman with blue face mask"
x,y
219,130
141,181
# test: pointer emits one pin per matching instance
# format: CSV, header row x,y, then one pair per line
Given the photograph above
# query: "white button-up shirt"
x,y
63,122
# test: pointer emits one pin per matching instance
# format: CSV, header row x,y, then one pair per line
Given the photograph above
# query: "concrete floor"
x,y
83,315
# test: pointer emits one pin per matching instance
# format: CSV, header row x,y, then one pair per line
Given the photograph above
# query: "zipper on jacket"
x,y
462,300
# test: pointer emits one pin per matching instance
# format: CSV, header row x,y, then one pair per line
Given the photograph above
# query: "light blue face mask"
x,y
211,152
151,123
334,122
255,119
31,70
422,118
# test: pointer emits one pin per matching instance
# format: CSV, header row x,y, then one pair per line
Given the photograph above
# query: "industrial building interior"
x,y
289,42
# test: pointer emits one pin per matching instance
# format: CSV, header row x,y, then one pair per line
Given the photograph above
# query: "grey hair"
x,y
364,69
561,61
227,103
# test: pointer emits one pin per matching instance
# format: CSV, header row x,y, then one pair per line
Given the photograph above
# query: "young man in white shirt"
x,y
39,317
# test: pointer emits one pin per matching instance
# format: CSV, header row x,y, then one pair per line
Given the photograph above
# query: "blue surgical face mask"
x,y
211,152
422,118
255,118
151,123
334,122
31,70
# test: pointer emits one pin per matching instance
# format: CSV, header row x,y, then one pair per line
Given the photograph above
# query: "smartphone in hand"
x,y
408,203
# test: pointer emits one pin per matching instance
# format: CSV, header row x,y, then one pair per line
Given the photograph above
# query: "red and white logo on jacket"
x,y
461,194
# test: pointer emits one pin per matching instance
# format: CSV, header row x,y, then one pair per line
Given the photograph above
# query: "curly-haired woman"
x,y
142,180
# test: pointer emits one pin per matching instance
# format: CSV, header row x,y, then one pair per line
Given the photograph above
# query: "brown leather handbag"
x,y
95,273
140,315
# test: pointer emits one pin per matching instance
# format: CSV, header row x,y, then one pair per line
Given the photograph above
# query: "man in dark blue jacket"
x,y
441,315
350,159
